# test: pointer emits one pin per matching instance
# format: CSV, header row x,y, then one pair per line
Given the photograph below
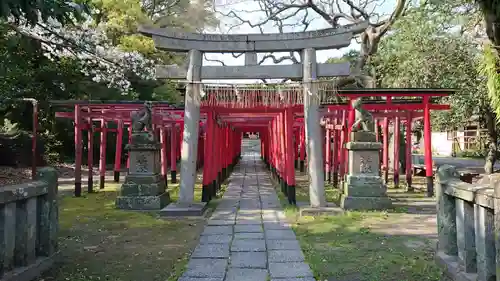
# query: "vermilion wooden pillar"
x,y
296,137
225,155
220,150
377,139
276,148
163,154
350,120
283,159
428,148
173,154
218,154
102,154
302,149
118,151
201,146
273,148
397,138
263,153
213,152
385,152
129,142
335,156
342,151
78,152
408,147
208,190
179,142
90,156
215,149
290,157
323,151
328,156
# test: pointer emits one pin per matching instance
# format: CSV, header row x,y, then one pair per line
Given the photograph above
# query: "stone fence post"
x,y
466,227
29,223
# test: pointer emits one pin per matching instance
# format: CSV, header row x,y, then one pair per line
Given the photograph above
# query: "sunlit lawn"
x,y
344,247
99,242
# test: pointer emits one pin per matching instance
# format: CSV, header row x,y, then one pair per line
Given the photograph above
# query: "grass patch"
x,y
99,242
353,247
344,248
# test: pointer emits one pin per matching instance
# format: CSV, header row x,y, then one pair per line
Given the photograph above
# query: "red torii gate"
x,y
278,127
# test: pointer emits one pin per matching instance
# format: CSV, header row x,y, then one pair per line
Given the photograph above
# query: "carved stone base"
x,y
143,202
365,203
184,210
364,186
330,209
143,185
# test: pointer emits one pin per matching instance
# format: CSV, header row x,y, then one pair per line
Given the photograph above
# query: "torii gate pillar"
x,y
313,130
191,127
186,205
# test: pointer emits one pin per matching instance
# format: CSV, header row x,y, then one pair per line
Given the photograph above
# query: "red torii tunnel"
x,y
281,130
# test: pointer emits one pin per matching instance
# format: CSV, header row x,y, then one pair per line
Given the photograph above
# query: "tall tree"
x,y
35,11
451,60
286,16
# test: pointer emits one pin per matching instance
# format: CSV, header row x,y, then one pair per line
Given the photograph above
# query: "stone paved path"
x,y
247,237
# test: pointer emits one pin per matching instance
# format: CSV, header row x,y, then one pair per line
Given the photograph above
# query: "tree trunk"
x,y
490,119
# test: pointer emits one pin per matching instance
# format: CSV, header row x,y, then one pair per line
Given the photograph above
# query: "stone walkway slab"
x,y
248,237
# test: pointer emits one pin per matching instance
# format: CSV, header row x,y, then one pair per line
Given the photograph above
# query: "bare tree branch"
x,y
288,15
213,60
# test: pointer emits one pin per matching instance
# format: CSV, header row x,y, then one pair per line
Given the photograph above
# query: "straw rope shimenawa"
x,y
276,95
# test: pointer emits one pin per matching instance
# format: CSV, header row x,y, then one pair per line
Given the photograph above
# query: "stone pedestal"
x,y
144,187
363,187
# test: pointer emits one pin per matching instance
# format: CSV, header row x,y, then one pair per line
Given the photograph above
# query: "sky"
x,y
249,10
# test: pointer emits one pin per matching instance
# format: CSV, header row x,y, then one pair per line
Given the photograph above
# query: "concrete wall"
x,y
28,227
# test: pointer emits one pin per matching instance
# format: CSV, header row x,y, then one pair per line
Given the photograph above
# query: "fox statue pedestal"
x,y
363,187
144,187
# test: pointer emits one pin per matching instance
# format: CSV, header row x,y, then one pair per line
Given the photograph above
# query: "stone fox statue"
x,y
142,119
363,117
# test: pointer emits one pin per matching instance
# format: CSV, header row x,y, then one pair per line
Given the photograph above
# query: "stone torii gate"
x,y
252,44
